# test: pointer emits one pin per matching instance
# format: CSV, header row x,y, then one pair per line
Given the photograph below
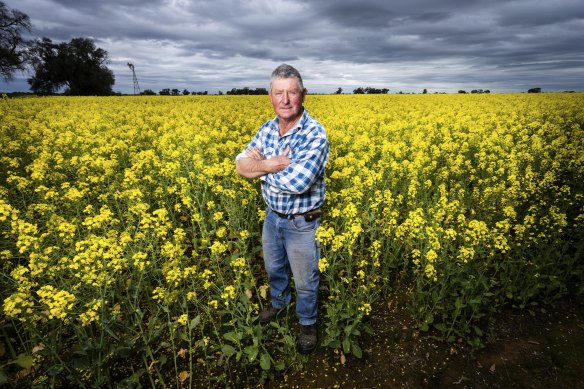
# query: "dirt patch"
x,y
543,348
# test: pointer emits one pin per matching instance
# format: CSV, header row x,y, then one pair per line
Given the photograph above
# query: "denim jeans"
x,y
290,245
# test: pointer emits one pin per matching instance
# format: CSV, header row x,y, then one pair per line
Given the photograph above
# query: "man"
x,y
288,154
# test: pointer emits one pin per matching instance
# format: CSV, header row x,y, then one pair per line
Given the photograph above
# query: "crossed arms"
x,y
255,165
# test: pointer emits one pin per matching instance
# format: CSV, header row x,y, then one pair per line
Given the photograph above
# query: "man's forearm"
x,y
251,168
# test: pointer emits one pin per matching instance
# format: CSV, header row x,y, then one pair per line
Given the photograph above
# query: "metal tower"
x,y
136,86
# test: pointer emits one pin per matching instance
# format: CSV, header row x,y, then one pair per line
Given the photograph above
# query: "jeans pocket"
x,y
300,224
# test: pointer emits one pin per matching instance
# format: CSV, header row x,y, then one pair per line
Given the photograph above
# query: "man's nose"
x,y
285,97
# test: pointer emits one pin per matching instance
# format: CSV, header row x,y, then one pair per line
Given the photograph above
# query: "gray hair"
x,y
286,71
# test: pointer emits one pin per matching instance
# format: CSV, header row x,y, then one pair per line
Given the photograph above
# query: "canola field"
x,y
130,250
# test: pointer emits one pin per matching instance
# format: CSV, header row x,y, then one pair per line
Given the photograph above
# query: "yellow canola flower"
x,y
17,304
430,272
228,294
140,261
91,315
431,256
159,294
218,247
365,308
183,319
6,210
58,302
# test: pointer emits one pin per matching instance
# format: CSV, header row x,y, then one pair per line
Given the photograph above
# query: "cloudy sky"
x,y
440,45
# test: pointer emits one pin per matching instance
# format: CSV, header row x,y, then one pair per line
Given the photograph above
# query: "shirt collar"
x,y
296,125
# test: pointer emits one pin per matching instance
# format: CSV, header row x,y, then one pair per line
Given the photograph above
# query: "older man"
x,y
288,154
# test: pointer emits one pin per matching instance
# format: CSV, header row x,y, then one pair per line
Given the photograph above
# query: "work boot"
x,y
268,315
307,339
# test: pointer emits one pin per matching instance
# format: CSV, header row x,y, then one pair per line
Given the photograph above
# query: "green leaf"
x,y
24,361
252,352
265,362
357,350
111,333
367,328
228,350
3,377
195,322
334,343
232,337
429,318
440,327
346,345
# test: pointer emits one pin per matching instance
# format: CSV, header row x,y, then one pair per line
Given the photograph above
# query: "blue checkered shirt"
x,y
300,187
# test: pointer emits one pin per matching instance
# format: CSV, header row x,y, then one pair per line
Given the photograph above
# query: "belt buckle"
x,y
312,215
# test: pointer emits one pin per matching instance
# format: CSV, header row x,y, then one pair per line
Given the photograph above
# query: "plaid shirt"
x,y
300,187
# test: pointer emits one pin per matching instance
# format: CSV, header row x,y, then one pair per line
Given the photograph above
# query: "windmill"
x,y
136,86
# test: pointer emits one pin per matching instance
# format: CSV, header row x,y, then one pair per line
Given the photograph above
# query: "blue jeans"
x,y
290,245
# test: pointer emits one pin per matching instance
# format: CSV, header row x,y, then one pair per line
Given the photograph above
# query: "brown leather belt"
x,y
308,216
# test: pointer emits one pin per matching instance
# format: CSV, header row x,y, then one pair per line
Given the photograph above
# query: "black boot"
x,y
307,339
268,315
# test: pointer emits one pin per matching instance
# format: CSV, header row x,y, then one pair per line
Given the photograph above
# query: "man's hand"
x,y
254,153
279,162
256,166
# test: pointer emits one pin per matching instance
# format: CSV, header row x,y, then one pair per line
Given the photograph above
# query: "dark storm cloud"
x,y
220,44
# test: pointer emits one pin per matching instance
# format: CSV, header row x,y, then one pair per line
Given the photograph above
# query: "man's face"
x,y
287,98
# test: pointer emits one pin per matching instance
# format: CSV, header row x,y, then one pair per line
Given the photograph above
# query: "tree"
x,y
148,92
186,92
247,91
12,46
339,91
79,66
370,91
425,91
